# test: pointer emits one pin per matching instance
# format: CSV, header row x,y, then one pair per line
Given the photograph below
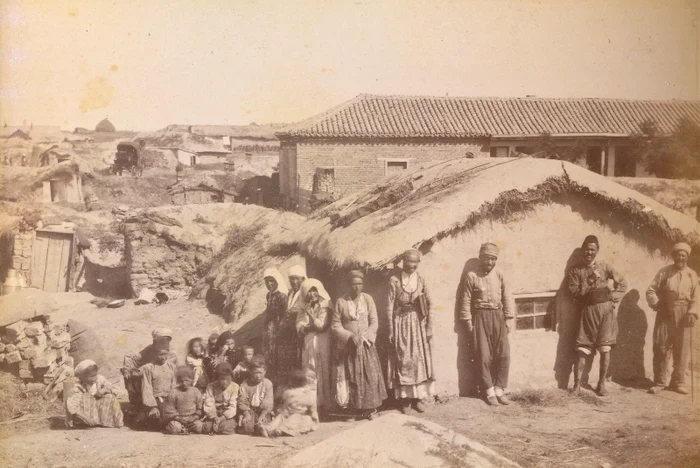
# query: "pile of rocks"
x,y
37,351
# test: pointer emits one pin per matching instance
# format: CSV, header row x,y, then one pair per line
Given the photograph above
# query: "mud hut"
x,y
538,212
105,126
61,182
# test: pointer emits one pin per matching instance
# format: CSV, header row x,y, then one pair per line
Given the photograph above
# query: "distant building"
x,y
20,134
358,143
105,126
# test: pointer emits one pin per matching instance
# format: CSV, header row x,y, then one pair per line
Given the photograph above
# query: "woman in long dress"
x,y
92,401
410,364
313,323
358,378
275,313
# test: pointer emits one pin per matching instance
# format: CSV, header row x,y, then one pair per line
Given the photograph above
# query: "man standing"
x,y
674,295
486,310
597,289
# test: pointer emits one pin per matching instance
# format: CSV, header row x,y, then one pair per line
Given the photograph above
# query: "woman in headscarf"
x,y
410,364
274,315
358,378
92,401
224,351
297,275
313,323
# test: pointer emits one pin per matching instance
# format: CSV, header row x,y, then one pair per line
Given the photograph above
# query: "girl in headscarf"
x,y
358,378
92,401
224,351
313,321
297,275
410,364
274,317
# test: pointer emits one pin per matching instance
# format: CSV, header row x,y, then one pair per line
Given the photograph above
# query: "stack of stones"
x,y
35,350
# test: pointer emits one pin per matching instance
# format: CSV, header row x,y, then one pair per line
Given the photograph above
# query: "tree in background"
x,y
672,157
545,146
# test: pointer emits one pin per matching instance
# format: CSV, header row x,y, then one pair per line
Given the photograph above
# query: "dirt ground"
x,y
630,428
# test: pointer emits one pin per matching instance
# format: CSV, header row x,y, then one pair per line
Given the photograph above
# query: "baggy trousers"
x,y
671,344
492,347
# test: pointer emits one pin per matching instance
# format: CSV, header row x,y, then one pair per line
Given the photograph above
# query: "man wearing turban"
x,y
674,295
486,310
597,288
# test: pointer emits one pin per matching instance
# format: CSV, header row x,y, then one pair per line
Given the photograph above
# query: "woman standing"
x,y
313,322
410,366
275,312
358,373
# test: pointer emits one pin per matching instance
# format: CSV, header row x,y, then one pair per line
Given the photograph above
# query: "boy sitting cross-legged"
x,y
182,411
255,399
220,402
157,382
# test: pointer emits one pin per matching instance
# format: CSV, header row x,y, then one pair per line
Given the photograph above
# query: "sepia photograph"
x,y
349,233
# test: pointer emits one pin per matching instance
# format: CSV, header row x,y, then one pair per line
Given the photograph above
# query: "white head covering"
x,y
83,366
313,283
281,282
162,333
297,270
681,246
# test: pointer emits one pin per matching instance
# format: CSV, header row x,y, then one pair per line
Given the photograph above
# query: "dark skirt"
x,y
598,326
359,378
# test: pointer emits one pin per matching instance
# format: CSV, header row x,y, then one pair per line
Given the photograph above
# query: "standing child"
x,y
255,399
220,403
298,413
157,382
93,401
242,370
182,411
196,353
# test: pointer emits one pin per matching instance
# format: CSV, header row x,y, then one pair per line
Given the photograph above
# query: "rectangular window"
x,y
535,311
324,180
499,151
395,167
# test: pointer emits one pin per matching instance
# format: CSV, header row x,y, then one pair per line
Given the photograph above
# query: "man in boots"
x,y
675,296
597,290
487,311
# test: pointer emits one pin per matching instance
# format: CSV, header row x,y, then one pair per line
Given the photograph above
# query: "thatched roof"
x,y
19,183
419,208
105,126
182,140
20,134
680,194
201,181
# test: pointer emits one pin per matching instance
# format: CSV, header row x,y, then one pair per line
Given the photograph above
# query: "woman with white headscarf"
x,y
296,275
313,323
92,401
277,332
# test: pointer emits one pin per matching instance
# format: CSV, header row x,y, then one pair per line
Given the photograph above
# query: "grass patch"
x,y
17,404
552,398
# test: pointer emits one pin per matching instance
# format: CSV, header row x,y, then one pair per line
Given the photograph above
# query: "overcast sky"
x,y
146,64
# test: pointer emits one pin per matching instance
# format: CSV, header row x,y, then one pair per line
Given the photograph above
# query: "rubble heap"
x,y
37,351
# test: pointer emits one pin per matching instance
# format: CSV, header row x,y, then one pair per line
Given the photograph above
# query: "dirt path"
x,y
630,428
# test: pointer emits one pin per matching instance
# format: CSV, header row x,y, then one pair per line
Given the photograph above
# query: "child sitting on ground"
x,y
220,403
182,411
242,370
298,413
224,351
157,382
255,399
195,359
92,401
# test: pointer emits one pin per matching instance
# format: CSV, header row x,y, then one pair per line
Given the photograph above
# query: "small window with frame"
x,y
395,167
535,311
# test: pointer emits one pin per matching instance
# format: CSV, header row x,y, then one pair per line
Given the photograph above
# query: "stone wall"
x,y
22,253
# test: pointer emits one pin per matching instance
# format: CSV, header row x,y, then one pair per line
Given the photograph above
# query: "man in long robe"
x,y
597,289
675,296
487,311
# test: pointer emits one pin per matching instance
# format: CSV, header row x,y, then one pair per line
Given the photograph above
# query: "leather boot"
x,y
604,365
578,372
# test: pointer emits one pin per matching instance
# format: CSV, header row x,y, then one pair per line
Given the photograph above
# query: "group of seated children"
x,y
208,395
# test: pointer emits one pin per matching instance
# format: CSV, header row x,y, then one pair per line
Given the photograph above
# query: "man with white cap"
x,y
674,295
133,362
486,309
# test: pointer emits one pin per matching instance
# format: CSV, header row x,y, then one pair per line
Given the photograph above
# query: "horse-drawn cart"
x,y
128,158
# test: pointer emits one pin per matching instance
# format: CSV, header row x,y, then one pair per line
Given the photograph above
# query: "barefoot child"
x,y
220,403
157,382
93,401
195,359
182,411
298,413
255,399
242,370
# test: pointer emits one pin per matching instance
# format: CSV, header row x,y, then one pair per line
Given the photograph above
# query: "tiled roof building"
x,y
369,137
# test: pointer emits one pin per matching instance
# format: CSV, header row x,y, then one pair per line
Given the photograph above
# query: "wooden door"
x,y
51,261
